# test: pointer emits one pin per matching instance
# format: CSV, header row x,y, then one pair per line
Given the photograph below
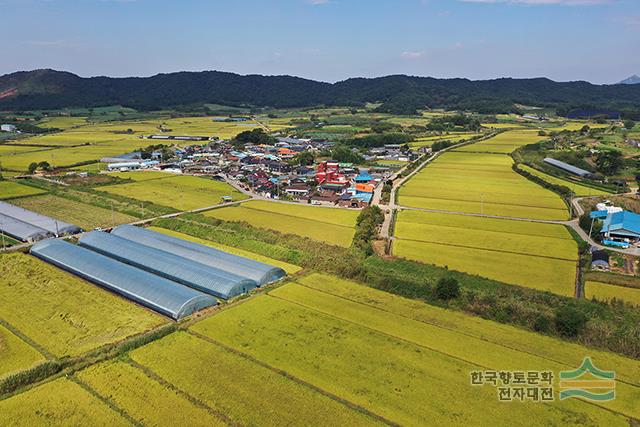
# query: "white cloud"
x,y
318,2
544,2
412,55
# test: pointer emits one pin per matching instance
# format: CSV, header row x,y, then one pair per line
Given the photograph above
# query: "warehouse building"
x,y
622,225
204,278
259,272
157,293
52,225
22,231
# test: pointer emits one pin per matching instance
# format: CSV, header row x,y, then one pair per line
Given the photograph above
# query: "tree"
x,y
306,158
256,136
609,162
570,321
44,166
33,167
343,154
447,288
629,124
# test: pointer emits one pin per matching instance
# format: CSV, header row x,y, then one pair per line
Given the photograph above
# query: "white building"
x,y
8,128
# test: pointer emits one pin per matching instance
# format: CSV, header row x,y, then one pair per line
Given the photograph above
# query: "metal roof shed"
x,y
21,230
59,228
262,273
567,167
173,267
164,296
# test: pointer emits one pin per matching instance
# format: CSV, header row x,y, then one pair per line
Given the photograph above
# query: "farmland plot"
x,y
480,184
247,392
145,399
536,255
15,354
81,214
505,142
578,189
331,225
395,367
60,402
607,292
10,189
61,313
179,192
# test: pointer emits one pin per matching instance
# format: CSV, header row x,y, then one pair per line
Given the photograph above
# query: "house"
x,y
8,128
599,260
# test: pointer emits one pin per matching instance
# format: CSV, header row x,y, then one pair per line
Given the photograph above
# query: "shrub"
x,y
542,323
570,321
447,288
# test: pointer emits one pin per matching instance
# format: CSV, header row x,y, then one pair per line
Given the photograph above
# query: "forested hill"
x,y
49,89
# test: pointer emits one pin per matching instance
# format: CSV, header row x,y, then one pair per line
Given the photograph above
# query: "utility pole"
x,y
57,230
113,216
2,232
591,227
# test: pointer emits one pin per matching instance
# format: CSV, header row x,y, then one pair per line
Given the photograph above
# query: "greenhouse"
x,y
262,273
52,225
159,294
19,230
173,267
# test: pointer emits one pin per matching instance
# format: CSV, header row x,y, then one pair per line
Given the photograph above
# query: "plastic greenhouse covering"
x,y
190,273
162,295
21,230
262,273
58,228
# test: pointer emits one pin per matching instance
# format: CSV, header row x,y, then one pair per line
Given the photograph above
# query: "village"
x,y
276,171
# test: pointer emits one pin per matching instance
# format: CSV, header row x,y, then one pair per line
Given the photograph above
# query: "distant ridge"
x,y
400,94
633,80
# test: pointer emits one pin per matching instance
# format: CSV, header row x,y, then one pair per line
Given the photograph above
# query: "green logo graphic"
x,y
588,382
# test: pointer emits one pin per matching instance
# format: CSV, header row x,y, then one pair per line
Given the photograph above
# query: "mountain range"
x,y
50,89
633,80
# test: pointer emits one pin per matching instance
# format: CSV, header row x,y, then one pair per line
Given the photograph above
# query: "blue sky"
x,y
329,40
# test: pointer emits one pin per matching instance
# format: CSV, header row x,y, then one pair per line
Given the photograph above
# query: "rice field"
x,y
607,292
327,351
504,143
62,314
179,192
480,184
429,140
11,189
331,225
402,363
61,402
15,354
86,216
289,268
248,393
536,255
141,175
143,398
578,189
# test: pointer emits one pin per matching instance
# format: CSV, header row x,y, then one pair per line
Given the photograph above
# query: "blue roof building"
x,y
623,224
363,177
